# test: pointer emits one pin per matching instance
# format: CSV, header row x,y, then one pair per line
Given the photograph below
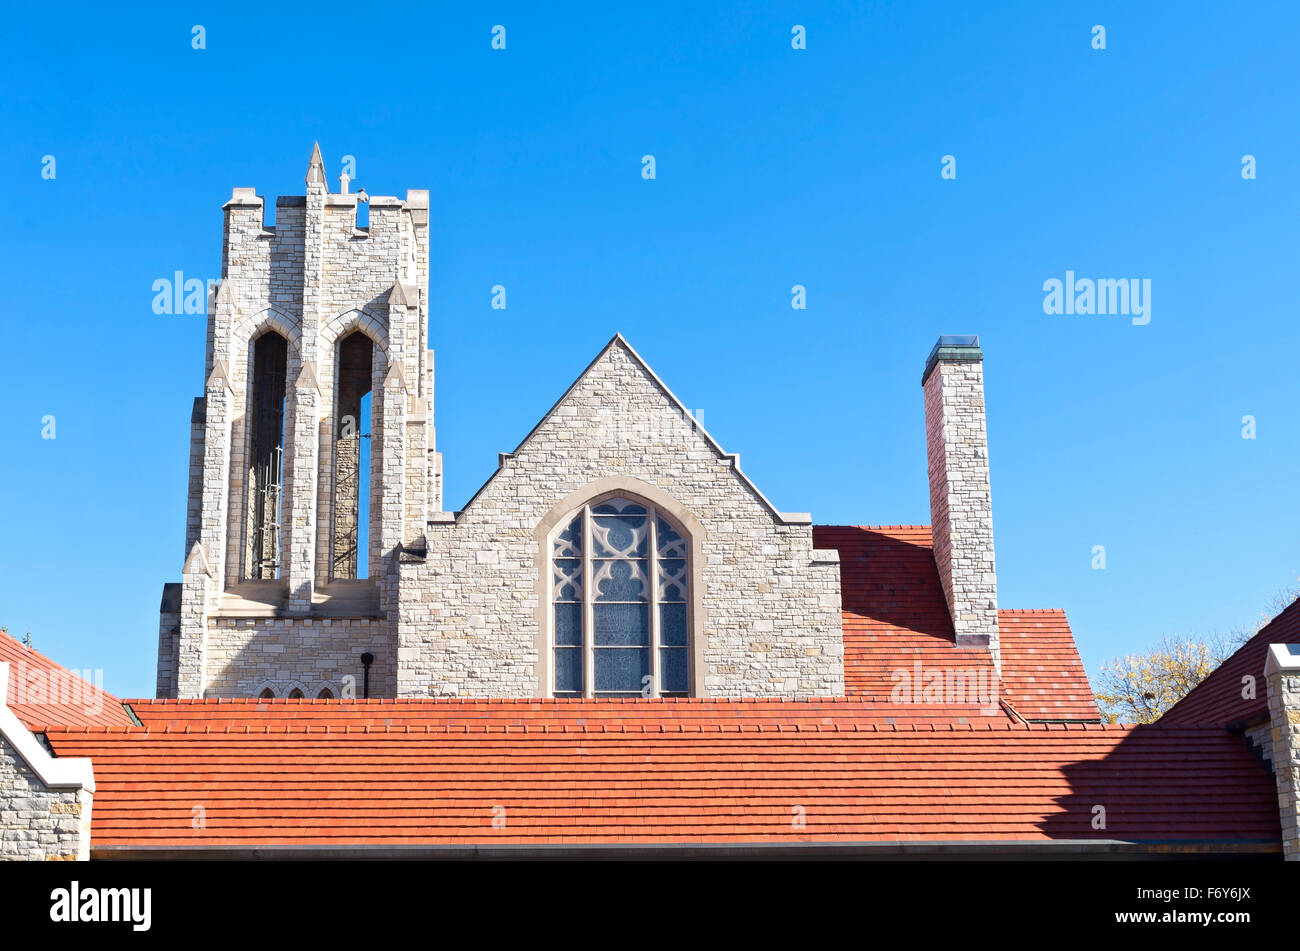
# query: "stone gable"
x,y
766,609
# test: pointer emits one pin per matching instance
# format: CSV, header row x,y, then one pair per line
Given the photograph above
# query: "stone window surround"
x,y
251,423
333,333
593,494
272,319
589,600
244,336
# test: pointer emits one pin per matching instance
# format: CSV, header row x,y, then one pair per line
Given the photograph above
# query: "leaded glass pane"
x,y
671,544
568,625
625,625
672,625
568,544
567,579
618,507
619,581
672,579
566,563
568,670
672,669
620,536
621,668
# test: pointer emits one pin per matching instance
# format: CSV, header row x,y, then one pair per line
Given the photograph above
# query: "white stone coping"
x,y
1283,658
244,198
55,773
417,199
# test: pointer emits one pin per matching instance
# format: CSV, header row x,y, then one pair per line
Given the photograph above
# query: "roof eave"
x,y
899,849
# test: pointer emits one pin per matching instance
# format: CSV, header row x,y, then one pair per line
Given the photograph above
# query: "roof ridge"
x,y
597,703
775,731
875,527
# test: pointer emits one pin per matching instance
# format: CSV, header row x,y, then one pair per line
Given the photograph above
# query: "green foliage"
x,y
1139,688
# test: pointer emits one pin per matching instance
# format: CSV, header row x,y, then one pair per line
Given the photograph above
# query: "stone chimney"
x,y
961,508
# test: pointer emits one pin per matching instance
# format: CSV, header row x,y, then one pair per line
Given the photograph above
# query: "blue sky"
x,y
774,167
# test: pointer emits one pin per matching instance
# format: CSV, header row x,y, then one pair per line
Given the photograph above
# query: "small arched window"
x,y
620,603
325,694
267,694
295,694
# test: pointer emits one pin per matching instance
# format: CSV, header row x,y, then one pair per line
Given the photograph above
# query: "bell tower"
x,y
312,452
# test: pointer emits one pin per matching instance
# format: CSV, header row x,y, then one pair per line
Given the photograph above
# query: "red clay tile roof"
x,y
1042,674
573,713
704,782
1218,698
43,693
895,615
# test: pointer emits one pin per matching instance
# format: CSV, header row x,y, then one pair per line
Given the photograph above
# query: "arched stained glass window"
x,y
615,632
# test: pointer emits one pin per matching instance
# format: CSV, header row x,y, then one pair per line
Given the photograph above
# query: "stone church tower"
x,y
312,459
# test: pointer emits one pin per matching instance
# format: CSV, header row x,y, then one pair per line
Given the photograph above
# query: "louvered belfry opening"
x,y
351,484
270,356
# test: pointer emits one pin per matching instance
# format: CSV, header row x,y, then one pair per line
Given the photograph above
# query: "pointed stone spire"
x,y
219,378
197,561
398,295
316,169
307,379
395,376
224,295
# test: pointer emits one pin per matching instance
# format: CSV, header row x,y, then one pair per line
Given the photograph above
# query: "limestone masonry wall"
x,y
245,654
38,823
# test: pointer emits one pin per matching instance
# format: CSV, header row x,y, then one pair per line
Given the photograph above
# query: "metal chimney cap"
x,y
955,347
